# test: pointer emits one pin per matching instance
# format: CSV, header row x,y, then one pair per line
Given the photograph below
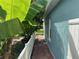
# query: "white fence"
x,y
26,52
73,50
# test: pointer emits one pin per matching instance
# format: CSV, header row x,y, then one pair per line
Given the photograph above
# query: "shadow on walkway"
x,y
41,51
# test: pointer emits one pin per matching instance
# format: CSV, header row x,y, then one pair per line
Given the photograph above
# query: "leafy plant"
x,y
12,13
20,17
15,8
35,15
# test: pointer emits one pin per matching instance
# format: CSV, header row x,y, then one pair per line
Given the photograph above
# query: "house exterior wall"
x,y
57,27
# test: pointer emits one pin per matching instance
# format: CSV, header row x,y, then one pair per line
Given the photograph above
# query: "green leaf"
x,y
35,8
10,28
15,8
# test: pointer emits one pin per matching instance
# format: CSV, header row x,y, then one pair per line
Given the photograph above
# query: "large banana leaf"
x,y
9,10
10,28
15,8
35,8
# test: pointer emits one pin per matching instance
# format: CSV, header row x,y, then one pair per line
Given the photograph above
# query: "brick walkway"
x,y
41,51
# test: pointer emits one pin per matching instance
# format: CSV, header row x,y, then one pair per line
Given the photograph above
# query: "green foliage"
x,y
35,9
10,28
15,8
7,30
12,13
17,18
35,12
15,11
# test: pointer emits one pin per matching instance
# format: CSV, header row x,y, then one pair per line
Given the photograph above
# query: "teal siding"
x,y
59,32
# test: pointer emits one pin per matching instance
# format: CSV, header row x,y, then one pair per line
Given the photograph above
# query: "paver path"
x,y
41,51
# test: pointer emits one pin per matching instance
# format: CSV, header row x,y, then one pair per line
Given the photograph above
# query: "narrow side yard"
x,y
40,49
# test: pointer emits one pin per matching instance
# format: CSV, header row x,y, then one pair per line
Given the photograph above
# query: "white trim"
x,y
26,52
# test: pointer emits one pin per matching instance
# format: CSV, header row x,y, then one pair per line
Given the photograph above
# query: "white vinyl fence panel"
x,y
26,52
